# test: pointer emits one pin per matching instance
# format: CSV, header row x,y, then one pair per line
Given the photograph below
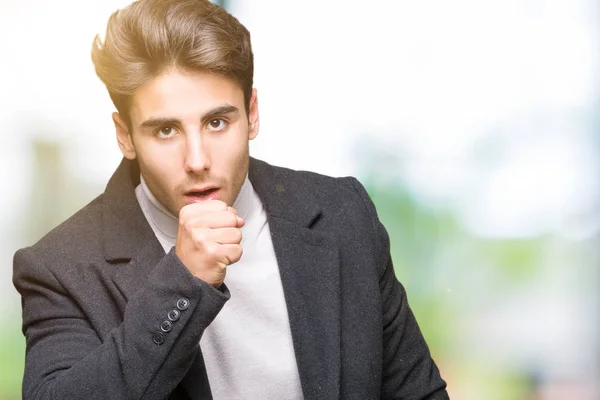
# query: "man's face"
x,y
190,133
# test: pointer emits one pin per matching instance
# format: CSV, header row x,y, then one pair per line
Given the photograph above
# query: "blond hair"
x,y
150,36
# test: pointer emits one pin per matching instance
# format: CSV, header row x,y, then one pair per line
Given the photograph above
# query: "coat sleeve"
x,y
66,358
408,371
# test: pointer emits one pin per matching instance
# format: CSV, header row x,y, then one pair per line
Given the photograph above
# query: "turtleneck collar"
x,y
157,215
245,203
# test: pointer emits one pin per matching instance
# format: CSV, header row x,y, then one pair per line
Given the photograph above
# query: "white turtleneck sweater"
x,y
248,348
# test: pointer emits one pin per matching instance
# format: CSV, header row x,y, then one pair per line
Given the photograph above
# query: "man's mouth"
x,y
200,195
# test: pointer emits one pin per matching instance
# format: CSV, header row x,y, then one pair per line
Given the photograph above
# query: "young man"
x,y
202,273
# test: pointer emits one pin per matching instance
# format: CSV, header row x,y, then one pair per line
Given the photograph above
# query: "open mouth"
x,y
205,194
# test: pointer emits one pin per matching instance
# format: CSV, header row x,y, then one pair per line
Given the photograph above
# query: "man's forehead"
x,y
179,94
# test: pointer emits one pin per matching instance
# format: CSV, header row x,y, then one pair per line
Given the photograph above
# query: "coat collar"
x,y
280,195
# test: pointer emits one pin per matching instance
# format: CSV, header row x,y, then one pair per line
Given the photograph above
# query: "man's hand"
x,y
208,239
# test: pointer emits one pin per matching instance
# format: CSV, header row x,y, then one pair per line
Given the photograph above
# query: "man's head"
x,y
180,74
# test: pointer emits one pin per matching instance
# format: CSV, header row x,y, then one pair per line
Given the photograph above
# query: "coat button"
x,y
173,315
166,326
158,338
183,303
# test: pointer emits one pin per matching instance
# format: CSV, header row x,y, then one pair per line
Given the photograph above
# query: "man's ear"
x,y
253,118
123,137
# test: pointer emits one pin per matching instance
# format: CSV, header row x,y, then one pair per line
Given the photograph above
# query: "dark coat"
x,y
96,289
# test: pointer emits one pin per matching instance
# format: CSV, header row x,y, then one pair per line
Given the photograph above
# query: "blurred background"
x,y
474,125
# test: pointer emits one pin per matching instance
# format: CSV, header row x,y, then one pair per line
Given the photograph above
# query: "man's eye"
x,y
165,132
217,124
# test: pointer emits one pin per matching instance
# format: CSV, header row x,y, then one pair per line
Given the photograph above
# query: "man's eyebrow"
x,y
222,110
215,112
156,122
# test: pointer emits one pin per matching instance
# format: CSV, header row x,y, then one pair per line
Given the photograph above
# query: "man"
x,y
202,273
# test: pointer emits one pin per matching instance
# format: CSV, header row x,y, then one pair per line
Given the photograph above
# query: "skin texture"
x,y
190,134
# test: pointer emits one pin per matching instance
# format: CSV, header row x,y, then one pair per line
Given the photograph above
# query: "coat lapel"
x,y
309,268
127,236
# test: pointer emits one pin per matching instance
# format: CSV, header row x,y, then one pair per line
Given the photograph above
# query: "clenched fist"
x,y
208,239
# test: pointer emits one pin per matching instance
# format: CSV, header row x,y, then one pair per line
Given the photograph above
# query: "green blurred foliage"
x,y
12,348
415,239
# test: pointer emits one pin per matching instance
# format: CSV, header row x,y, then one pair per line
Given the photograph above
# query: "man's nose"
x,y
196,157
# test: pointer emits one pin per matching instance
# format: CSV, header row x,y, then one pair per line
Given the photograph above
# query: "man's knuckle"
x,y
219,205
211,250
198,236
186,224
236,252
184,212
237,235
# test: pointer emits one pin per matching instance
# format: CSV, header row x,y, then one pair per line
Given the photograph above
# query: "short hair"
x,y
149,37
